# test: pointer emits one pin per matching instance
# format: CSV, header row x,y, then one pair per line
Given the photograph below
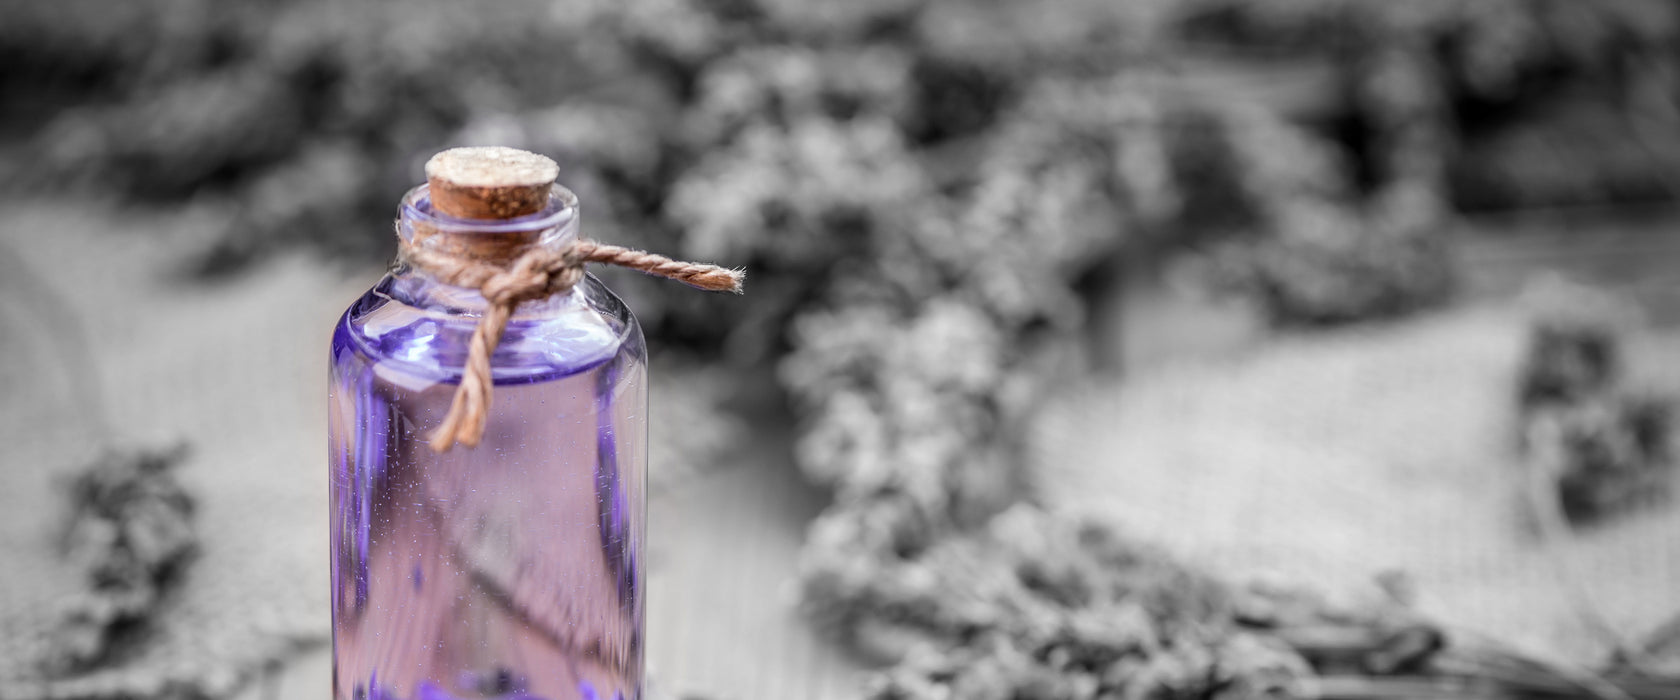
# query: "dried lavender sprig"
x,y
131,530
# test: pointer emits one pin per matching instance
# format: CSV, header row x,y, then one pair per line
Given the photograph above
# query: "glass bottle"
x,y
508,570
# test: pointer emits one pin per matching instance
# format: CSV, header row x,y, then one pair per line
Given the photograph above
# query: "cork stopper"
x,y
486,187
490,182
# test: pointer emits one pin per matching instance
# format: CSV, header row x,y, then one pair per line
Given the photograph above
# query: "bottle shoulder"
x,y
417,334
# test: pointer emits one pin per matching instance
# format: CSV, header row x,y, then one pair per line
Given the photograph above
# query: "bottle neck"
x,y
496,241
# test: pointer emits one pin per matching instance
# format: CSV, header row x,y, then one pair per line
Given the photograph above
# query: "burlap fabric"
x,y
1330,458
1323,458
236,371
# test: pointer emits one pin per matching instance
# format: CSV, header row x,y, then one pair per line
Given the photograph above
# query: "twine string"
x,y
537,274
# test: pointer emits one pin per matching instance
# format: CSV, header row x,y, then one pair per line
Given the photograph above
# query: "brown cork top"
x,y
490,182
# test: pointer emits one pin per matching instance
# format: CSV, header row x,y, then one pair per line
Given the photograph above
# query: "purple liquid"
x,y
509,570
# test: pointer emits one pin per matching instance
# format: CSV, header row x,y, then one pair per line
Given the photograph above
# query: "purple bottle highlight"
x,y
512,569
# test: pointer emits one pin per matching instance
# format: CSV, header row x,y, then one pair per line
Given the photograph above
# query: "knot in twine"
x,y
537,274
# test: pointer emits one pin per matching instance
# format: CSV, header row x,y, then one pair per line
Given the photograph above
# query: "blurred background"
x,y
1091,349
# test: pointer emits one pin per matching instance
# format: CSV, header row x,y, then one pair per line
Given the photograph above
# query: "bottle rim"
x,y
557,221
